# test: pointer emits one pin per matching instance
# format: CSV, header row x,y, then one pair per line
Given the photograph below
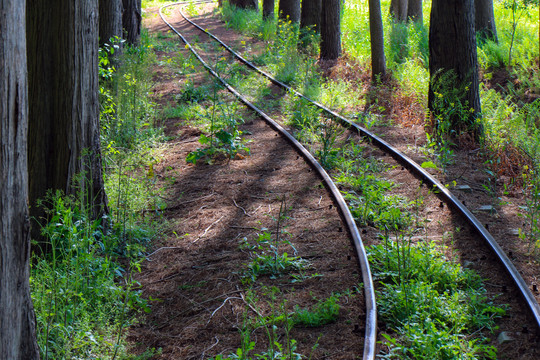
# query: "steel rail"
x,y
369,290
417,170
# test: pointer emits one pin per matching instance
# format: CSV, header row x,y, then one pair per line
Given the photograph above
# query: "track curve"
x,y
369,291
414,168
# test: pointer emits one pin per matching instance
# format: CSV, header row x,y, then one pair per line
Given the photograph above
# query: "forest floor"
x,y
196,273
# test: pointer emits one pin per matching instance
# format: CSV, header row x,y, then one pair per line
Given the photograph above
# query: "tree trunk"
x,y
63,134
311,15
414,11
452,27
378,60
249,4
245,4
17,319
398,10
485,20
330,30
290,10
131,21
268,9
110,20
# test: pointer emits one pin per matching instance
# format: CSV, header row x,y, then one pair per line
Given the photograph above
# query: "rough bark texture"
x,y
17,320
398,10
311,15
131,21
378,59
63,134
414,11
289,9
485,19
268,9
452,27
330,30
110,20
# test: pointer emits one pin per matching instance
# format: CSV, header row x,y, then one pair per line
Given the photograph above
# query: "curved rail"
x,y
369,291
417,170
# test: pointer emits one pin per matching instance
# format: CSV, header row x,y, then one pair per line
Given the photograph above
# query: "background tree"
x,y
17,320
311,15
289,9
131,21
454,74
330,30
268,9
110,20
414,11
245,4
485,20
63,134
398,10
378,59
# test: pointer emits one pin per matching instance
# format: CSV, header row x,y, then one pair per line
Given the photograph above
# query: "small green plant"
x,y
327,133
225,139
276,326
268,259
219,143
324,312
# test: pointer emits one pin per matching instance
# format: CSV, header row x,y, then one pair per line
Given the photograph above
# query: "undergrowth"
x,y
431,304
83,288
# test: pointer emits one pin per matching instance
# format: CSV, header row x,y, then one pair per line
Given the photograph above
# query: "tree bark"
x,y
249,4
17,319
330,30
268,9
485,20
63,134
414,11
376,30
131,21
452,27
398,10
245,4
289,10
311,15
110,20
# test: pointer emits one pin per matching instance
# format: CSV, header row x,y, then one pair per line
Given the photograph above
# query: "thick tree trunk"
x,y
485,19
17,319
452,27
63,102
398,10
289,10
414,11
268,9
378,60
110,20
330,30
131,21
311,15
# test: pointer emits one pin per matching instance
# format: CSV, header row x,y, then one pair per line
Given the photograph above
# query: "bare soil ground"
x,y
196,270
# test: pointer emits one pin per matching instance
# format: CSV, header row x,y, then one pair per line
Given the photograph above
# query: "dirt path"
x,y
197,273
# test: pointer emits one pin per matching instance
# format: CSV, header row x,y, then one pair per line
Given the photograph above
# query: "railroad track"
x,y
425,177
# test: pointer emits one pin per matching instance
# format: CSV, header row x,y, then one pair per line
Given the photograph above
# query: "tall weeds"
x,y
83,289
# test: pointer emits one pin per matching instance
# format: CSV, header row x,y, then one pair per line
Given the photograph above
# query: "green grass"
x,y
435,308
